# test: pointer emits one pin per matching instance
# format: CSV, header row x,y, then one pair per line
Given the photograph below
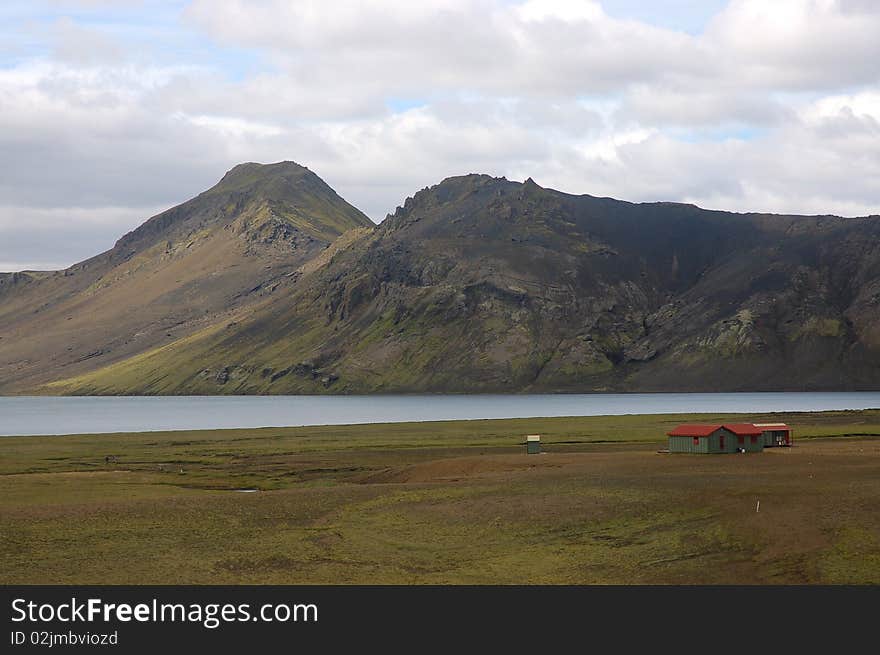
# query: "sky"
x,y
113,110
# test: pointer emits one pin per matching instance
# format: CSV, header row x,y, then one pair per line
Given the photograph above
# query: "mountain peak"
x,y
250,174
450,189
453,186
284,191
467,182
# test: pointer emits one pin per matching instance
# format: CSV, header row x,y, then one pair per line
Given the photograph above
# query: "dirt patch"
x,y
464,468
61,475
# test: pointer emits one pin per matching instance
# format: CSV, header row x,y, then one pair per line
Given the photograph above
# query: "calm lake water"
x,y
78,415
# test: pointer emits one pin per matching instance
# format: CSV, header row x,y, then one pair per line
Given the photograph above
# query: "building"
x,y
727,438
533,444
775,434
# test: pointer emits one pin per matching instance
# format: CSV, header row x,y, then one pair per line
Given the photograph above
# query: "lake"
x,y
79,415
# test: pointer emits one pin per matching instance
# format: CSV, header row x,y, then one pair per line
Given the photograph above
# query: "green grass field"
x,y
444,502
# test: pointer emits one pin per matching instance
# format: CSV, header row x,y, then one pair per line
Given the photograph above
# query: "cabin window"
x,y
740,440
721,439
754,439
696,441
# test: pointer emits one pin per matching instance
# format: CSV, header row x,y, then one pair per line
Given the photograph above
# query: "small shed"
x,y
716,438
533,444
775,434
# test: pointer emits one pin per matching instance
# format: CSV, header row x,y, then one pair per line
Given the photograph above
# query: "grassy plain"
x,y
445,502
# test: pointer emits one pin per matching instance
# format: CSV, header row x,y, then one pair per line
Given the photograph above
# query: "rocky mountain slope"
x,y
186,268
482,284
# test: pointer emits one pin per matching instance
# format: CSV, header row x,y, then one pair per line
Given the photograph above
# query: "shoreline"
x,y
38,416
677,417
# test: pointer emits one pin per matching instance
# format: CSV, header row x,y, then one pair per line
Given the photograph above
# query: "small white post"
x,y
758,507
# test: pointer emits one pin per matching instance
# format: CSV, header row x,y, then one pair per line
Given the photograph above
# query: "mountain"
x,y
479,284
189,267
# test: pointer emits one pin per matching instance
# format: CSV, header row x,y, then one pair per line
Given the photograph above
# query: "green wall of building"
x,y
712,443
687,445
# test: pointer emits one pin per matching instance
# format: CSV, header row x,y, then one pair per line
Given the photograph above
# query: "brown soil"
x,y
463,468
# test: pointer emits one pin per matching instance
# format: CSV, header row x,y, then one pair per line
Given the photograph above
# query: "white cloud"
x,y
79,45
565,10
54,238
232,127
555,47
865,104
798,44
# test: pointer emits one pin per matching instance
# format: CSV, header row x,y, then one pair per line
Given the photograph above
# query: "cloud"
x,y
556,47
87,137
83,46
449,46
798,44
54,238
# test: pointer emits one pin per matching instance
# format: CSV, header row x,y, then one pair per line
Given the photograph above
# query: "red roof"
x,y
744,429
693,430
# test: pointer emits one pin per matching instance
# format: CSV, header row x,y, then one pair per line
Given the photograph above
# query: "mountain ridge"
x,y
482,284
